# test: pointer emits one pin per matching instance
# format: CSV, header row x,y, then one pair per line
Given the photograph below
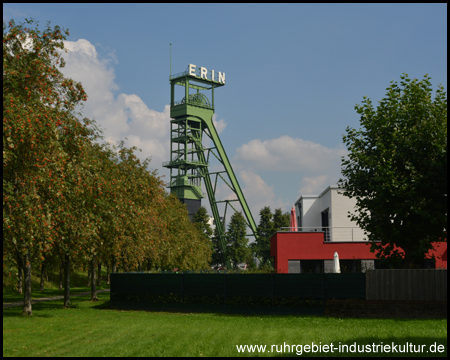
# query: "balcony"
x,y
333,233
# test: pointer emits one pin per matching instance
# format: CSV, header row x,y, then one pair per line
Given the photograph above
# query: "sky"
x,y
294,73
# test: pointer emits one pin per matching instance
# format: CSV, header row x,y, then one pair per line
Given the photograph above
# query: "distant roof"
x,y
330,187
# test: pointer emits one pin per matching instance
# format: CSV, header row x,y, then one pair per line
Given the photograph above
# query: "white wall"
x,y
310,213
338,205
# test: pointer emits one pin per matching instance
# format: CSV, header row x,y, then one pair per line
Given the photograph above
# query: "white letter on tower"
x,y
192,69
222,77
203,72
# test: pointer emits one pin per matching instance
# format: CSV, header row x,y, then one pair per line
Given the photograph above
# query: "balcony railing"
x,y
333,233
179,162
181,102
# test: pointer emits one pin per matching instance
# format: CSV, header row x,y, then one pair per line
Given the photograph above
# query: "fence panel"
x,y
345,286
305,286
406,284
127,285
203,284
162,284
246,285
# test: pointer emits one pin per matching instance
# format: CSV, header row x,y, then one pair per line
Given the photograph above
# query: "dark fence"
x,y
410,285
256,291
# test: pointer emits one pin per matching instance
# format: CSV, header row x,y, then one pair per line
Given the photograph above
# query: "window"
x,y
325,225
311,266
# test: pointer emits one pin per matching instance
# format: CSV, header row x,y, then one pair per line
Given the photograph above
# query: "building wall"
x,y
310,209
341,205
310,212
285,246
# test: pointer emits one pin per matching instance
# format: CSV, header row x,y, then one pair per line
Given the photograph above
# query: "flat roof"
x,y
330,187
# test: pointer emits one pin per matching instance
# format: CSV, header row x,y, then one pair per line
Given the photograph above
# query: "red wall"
x,y
286,246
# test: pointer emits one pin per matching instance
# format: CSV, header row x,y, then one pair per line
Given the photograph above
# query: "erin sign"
x,y
204,73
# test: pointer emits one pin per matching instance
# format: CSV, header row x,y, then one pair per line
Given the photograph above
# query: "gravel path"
x,y
20,303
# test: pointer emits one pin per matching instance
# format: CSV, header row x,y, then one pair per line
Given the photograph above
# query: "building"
x,y
212,222
328,212
325,228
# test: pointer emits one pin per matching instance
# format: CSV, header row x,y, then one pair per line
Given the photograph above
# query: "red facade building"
x,y
301,246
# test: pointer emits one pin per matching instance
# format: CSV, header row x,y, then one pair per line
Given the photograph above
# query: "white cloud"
x,y
258,194
314,185
119,115
123,116
219,125
288,159
287,154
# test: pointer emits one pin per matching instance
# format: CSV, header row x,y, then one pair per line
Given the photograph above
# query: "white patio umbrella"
x,y
336,267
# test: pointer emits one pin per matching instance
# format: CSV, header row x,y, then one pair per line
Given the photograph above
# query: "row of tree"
x,y
69,198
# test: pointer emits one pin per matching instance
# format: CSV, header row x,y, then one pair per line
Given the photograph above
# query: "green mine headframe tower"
x,y
192,117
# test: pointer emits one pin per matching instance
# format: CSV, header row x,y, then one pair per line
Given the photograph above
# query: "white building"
x,y
328,212
212,222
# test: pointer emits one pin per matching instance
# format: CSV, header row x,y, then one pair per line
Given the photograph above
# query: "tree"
x,y
39,126
217,257
397,169
265,230
237,244
201,221
67,198
268,224
280,219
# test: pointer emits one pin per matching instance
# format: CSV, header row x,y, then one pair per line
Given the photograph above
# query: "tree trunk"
x,y
114,265
93,287
61,270
66,281
89,276
27,293
149,264
99,274
108,268
43,266
19,274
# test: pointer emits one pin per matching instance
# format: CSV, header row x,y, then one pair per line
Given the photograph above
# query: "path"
x,y
20,303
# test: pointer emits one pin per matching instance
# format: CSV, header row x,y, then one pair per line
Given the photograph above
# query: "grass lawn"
x,y
92,329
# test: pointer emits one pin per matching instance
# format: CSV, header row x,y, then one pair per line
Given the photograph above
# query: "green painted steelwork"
x,y
189,164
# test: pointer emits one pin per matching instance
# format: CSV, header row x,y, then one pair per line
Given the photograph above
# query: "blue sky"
x,y
294,73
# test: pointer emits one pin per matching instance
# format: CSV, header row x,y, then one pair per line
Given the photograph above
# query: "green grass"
x,y
78,282
92,329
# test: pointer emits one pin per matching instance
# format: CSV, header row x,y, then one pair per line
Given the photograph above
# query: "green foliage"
x,y
217,251
201,221
397,169
237,243
265,230
268,224
280,219
67,195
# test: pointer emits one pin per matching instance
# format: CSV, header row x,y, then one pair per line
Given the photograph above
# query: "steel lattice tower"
x,y
189,164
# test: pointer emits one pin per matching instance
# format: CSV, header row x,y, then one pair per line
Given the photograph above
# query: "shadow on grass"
x,y
219,310
17,313
102,305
